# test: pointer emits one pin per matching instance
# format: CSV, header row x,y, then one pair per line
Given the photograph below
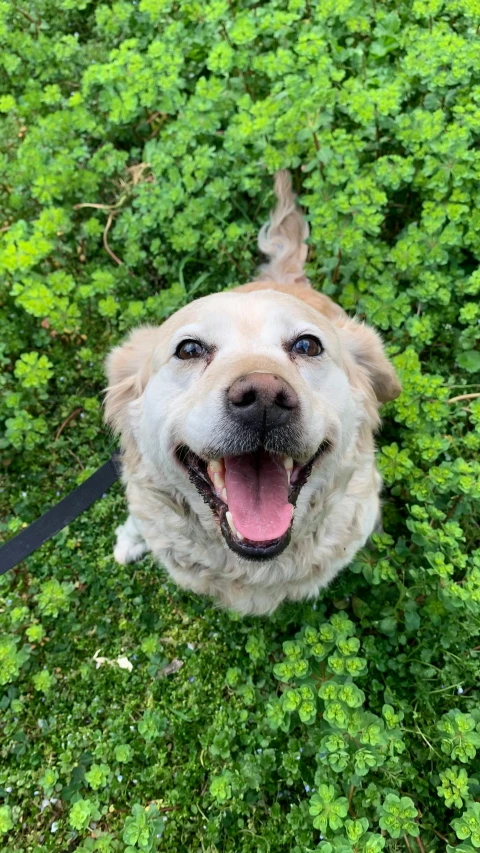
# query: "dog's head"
x,y
244,400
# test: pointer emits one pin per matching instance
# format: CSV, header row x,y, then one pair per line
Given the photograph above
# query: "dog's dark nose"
x,y
262,399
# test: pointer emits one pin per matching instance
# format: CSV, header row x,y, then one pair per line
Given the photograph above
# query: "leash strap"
x,y
56,518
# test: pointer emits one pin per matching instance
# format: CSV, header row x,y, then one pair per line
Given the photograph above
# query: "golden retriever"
x,y
246,424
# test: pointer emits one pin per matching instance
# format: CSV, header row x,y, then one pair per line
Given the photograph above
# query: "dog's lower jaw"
x,y
336,523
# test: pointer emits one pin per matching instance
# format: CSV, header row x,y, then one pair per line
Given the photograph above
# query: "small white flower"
x,y
9,789
460,690
54,826
119,777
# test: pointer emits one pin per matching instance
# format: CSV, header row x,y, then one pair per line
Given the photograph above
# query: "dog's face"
x,y
244,400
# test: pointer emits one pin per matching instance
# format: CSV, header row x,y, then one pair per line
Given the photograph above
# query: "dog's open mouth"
x,y
253,496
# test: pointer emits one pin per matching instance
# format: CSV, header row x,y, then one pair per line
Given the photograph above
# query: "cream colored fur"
x,y
156,403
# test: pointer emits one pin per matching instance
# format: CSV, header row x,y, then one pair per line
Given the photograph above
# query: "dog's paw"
x,y
130,545
126,552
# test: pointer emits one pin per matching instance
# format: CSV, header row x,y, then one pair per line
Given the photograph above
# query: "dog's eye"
x,y
190,349
307,345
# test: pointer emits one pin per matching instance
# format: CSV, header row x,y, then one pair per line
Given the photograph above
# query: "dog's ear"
x,y
365,346
128,369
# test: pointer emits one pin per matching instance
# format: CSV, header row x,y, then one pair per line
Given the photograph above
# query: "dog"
x,y
247,424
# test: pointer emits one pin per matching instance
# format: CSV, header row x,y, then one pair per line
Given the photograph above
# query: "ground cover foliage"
x,y
138,142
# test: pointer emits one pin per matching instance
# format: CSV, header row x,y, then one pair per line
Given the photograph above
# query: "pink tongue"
x,y
257,488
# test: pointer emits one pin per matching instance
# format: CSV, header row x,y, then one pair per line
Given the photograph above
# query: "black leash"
x,y
56,518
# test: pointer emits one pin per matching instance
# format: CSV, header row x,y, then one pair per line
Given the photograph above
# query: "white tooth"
x,y
216,466
289,474
223,496
288,463
232,527
218,482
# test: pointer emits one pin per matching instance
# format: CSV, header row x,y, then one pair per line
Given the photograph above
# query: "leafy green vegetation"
x,y
138,141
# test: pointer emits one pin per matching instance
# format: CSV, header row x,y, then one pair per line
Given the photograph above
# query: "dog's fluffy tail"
x,y
282,239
